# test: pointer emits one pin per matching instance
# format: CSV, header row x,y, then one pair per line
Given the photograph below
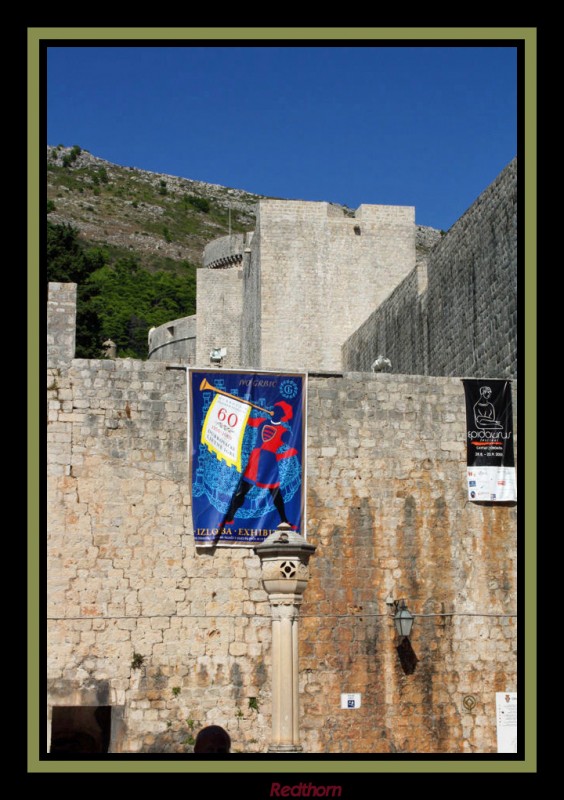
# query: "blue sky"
x,y
424,126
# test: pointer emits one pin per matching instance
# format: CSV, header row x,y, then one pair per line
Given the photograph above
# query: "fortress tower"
x,y
289,295
319,288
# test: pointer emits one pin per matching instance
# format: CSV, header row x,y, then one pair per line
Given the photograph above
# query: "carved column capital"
x,y
284,609
284,559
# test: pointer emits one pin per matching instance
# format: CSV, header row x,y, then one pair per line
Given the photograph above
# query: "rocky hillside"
x,y
163,219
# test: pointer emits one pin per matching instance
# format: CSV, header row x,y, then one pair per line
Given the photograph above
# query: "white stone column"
x,y
284,558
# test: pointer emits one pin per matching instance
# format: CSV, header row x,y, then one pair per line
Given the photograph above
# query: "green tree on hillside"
x,y
128,300
67,260
119,300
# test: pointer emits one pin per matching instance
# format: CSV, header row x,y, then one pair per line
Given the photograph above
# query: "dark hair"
x,y
212,739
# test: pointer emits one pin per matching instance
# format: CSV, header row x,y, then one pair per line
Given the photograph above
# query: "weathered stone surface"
x,y
61,311
307,261
387,514
219,298
404,529
314,287
174,637
174,341
456,314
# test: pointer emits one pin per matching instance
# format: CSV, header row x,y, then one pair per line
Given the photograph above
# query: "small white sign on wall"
x,y
506,714
350,700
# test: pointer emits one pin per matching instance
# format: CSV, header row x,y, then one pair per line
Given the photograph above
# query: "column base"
x,y
285,748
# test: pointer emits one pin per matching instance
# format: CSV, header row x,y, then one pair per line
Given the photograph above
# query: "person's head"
x,y
282,412
212,739
486,392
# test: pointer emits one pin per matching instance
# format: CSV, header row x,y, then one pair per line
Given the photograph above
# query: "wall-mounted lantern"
x,y
403,618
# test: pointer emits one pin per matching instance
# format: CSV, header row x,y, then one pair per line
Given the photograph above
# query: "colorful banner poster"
x,y
247,455
489,435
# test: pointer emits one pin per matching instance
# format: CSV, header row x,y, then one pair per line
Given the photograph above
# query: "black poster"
x,y
489,440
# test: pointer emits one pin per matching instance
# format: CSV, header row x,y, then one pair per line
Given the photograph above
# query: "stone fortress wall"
x,y
313,260
174,340
219,296
341,290
291,281
456,315
171,637
219,299
226,251
61,327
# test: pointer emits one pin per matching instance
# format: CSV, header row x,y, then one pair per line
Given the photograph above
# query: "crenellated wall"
x,y
227,251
